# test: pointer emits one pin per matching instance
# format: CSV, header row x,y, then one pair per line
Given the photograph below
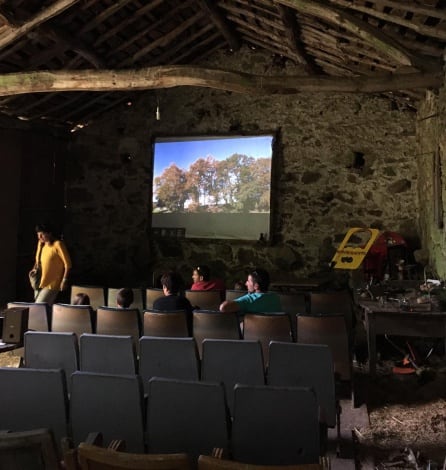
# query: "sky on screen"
x,y
185,152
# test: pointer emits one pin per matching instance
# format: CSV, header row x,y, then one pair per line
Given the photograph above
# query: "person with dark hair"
x,y
124,297
201,275
54,260
81,299
172,284
258,299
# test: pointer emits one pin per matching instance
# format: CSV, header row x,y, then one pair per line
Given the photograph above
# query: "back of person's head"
x,y
81,299
124,297
204,272
172,281
261,277
239,285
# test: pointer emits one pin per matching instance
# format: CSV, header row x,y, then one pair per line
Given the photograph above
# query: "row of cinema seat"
x,y
314,303
36,449
277,423
310,329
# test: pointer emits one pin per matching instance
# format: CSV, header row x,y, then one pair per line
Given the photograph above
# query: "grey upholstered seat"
x,y
39,318
107,354
232,362
186,416
175,358
275,425
110,404
52,350
34,398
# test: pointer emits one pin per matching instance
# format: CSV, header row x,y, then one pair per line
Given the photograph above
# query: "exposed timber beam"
x,y
64,41
222,24
373,36
425,30
12,33
292,34
175,76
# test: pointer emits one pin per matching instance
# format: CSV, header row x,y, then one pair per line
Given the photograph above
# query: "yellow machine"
x,y
354,247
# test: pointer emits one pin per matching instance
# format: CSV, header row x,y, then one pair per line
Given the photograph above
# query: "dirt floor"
x,y
407,415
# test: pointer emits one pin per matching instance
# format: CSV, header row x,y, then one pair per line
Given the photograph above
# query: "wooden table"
x,y
390,320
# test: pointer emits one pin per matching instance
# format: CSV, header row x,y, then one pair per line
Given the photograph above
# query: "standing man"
x,y
258,299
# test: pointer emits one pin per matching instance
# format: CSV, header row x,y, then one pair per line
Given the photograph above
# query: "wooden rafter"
x,y
429,31
11,33
222,24
174,76
292,33
374,36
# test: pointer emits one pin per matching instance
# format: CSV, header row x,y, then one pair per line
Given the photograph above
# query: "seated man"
x,y
201,275
124,297
172,283
258,299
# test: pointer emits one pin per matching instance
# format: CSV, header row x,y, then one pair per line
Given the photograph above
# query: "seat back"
x,y
97,458
96,294
266,328
204,299
168,324
107,354
292,304
72,318
232,362
110,404
207,462
174,358
152,293
34,398
232,294
138,298
30,450
39,318
333,303
214,325
305,365
186,416
119,321
275,425
52,350
330,330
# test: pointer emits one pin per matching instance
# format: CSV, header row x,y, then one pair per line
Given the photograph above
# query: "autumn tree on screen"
x,y
238,183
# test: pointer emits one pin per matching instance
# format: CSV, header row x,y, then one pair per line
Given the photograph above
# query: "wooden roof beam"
x,y
292,33
12,33
174,76
430,31
373,36
64,41
222,24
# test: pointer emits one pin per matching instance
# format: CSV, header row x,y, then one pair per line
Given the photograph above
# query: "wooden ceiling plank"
x,y
188,43
201,45
406,6
64,41
51,11
145,32
266,43
255,8
164,40
99,19
292,33
238,13
373,36
125,22
222,24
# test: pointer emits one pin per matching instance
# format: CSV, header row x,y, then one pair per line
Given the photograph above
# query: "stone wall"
x,y
431,141
319,194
